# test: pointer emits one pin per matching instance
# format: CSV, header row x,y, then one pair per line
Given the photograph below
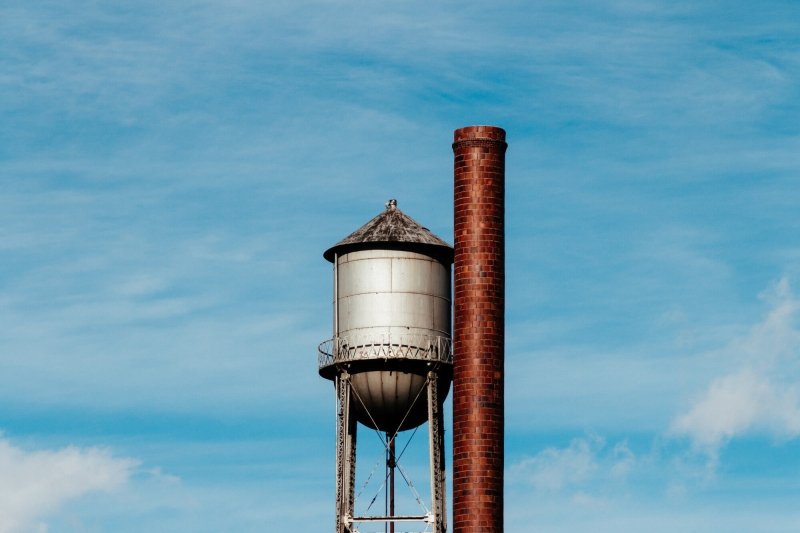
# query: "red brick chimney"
x,y
478,338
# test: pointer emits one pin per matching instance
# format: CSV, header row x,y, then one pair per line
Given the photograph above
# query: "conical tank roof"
x,y
394,230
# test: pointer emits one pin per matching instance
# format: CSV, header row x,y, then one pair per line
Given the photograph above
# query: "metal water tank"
x,y
392,319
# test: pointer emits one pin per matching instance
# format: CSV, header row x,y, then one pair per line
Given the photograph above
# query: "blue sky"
x,y
170,174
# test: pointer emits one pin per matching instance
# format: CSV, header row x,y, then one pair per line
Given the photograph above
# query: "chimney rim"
x,y
480,132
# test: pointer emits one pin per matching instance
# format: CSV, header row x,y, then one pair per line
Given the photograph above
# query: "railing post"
x,y
422,347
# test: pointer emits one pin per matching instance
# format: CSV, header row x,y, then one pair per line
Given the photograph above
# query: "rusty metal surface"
x,y
391,227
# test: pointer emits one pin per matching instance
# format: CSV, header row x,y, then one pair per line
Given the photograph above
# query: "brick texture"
x,y
479,173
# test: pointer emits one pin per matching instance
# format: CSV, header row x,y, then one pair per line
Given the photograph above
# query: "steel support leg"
x,y
345,455
436,445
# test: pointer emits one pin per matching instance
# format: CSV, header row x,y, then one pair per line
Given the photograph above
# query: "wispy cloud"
x,y
574,468
761,396
34,484
749,378
553,469
737,404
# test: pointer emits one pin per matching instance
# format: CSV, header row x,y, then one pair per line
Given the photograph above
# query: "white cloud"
x,y
738,403
760,396
624,460
583,461
553,469
36,483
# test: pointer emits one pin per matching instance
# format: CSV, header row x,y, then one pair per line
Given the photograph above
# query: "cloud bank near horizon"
x,y
34,484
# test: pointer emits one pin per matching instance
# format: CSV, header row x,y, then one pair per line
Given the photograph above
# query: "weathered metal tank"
x,y
392,318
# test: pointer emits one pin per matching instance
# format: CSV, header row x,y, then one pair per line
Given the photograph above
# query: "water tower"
x,y
390,357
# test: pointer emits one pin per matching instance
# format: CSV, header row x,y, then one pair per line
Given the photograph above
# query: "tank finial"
x,y
391,205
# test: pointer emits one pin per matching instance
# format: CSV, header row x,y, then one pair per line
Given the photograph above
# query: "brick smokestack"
x,y
478,329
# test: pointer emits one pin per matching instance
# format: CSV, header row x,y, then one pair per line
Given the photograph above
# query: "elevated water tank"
x,y
392,319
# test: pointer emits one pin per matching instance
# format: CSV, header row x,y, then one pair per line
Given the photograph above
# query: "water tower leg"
x,y
436,444
345,455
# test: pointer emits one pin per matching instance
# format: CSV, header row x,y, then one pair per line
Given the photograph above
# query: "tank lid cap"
x,y
392,230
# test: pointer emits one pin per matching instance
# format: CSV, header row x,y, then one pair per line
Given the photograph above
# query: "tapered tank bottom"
x,y
390,395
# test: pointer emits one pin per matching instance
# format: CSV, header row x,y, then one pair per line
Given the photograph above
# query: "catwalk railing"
x,y
409,346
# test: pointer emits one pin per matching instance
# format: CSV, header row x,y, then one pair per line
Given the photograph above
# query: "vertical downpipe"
x,y
335,305
478,339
